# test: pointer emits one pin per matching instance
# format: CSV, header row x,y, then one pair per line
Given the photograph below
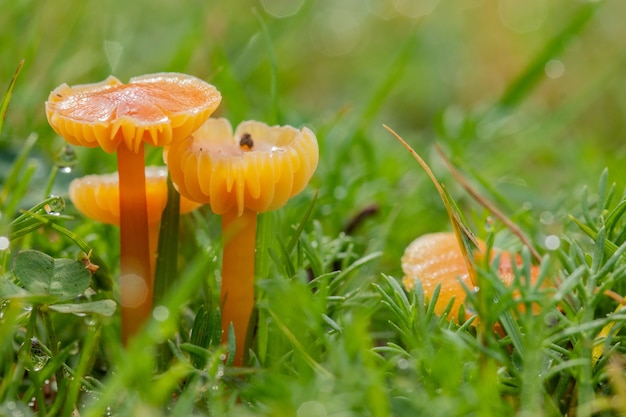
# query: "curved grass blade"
x,y
4,104
465,237
488,205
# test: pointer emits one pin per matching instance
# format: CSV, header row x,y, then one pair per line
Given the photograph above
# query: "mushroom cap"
x,y
258,167
155,108
98,196
436,258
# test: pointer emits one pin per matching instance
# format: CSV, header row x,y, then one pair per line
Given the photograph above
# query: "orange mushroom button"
x,y
98,196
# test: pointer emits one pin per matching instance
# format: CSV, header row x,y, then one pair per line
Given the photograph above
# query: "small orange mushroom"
x,y
255,169
436,259
98,198
155,108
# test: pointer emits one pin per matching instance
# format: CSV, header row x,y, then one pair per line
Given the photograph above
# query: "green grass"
x,y
337,334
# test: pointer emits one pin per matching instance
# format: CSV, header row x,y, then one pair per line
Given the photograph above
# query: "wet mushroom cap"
x,y
436,259
97,196
258,167
153,108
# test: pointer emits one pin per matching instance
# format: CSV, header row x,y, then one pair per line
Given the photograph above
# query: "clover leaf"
x,y
42,274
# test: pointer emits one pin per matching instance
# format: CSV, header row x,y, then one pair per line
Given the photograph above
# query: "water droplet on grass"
x,y
38,357
55,205
90,320
220,372
65,159
489,224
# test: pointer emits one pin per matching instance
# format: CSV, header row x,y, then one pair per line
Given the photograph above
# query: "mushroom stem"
x,y
135,272
237,292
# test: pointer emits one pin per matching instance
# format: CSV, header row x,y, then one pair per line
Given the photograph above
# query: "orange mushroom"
x,y
155,108
255,169
98,197
436,259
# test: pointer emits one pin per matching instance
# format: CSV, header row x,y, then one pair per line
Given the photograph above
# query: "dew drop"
x,y
276,149
4,243
489,224
220,371
65,159
38,357
55,205
90,321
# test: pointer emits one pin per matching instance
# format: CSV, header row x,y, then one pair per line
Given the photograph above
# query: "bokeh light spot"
x,y
135,292
160,313
415,8
335,32
554,68
282,8
522,16
552,242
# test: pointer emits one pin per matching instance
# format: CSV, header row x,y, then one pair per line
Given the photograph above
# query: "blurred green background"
x,y
526,96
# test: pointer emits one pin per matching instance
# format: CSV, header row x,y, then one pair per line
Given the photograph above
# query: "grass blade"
x,y
167,259
525,83
4,104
